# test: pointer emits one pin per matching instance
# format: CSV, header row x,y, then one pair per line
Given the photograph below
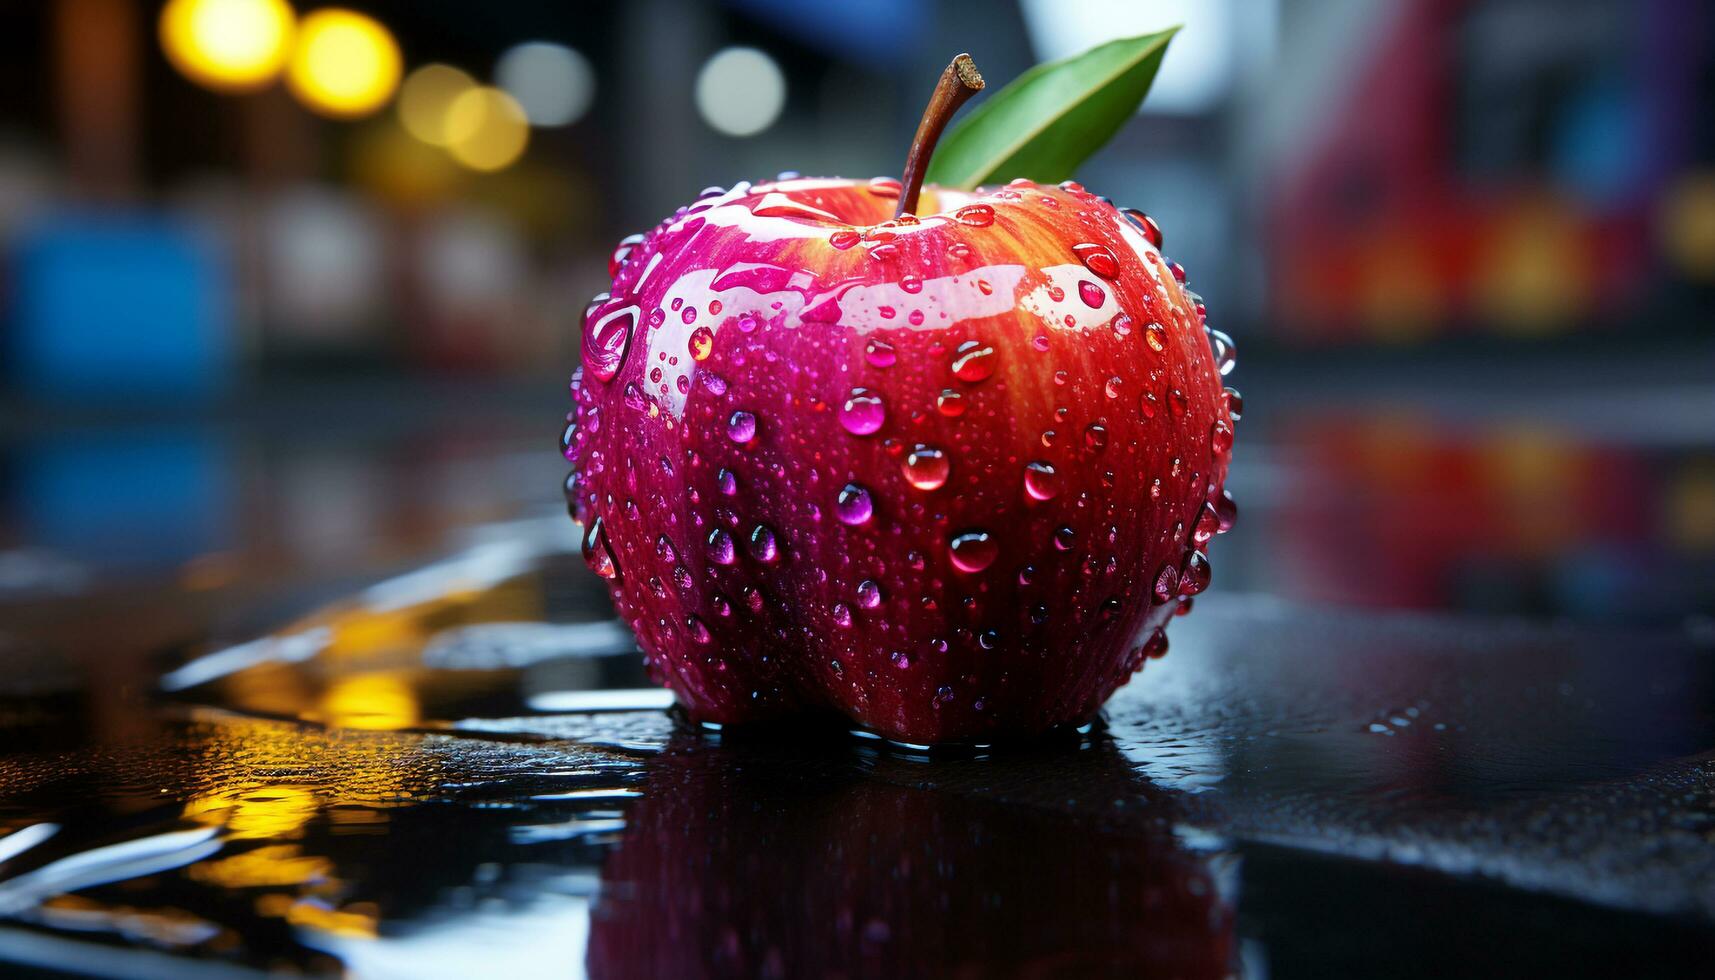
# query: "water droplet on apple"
x,y
843,239
884,186
607,339
916,318
911,283
973,551
1114,386
1226,354
1092,295
879,353
701,344
1194,577
951,404
721,548
1098,259
1040,480
621,253
1155,335
1166,584
1235,402
665,551
973,361
741,427
1226,511
713,383
868,594
975,215
1156,646
1148,404
854,505
1177,270
1064,537
863,412
842,615
763,545
598,552
926,467
1206,526
1146,224
1095,437
568,442
1177,401
727,482
695,629
1220,437
900,659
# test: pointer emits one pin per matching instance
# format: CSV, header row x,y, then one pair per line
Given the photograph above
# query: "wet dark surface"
x,y
424,750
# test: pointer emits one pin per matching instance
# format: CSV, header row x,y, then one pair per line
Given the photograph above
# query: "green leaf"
x,y
1052,117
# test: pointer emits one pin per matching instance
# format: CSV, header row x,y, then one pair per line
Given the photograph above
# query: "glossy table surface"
x,y
1449,710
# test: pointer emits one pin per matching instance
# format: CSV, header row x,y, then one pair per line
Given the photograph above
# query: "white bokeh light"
x,y
740,91
553,83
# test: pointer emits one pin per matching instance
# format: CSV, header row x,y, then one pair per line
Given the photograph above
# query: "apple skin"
x,y
770,345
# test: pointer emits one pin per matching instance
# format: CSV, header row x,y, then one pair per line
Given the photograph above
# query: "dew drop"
x,y
1098,259
1206,526
1114,386
763,545
721,548
598,552
1220,437
950,403
884,186
1155,335
1064,537
854,505
1166,584
1177,401
842,615
1092,295
695,629
713,383
926,467
1226,512
607,340
1095,437
900,659
1194,578
973,361
863,412
879,353
843,239
1156,646
665,551
868,594
1226,354
911,283
973,551
741,427
1146,224
727,482
975,215
1040,480
701,344
1148,405
1235,402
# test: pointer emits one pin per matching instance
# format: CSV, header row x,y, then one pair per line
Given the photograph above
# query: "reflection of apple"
x,y
801,866
948,474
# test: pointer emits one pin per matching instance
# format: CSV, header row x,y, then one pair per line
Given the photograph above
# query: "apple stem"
x,y
958,83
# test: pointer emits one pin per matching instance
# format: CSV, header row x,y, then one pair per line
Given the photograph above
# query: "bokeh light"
x,y
487,129
553,83
425,98
345,64
740,91
228,45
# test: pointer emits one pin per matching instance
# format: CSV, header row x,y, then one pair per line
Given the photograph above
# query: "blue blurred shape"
x,y
865,30
119,305
129,497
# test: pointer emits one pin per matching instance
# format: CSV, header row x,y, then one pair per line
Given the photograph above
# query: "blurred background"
x,y
289,292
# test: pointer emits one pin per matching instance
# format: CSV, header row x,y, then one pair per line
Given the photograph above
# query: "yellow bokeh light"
x,y
425,98
344,65
486,129
229,45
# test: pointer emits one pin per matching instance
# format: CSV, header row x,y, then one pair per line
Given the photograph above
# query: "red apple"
x,y
947,475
